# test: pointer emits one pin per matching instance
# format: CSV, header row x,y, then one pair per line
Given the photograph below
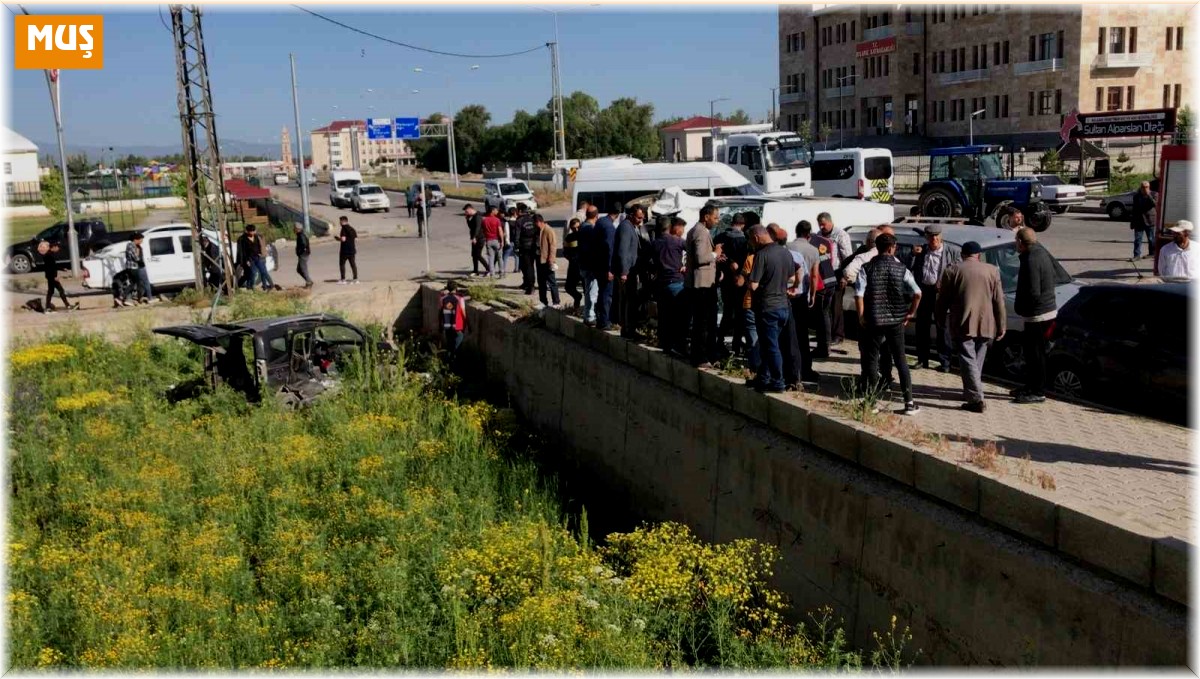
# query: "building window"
x,y
1170,38
1100,42
983,57
8,169
995,52
941,111
1006,51
1058,99
1116,40
803,82
1060,42
1178,92
1031,102
962,53
787,46
974,57
954,61
1166,95
1130,97
1047,46
1004,108
1114,99
1179,37
995,105
1133,40
853,24
916,63
852,118
1032,48
803,35
942,61
887,60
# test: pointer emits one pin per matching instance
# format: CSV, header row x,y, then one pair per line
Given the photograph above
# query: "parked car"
x,y
91,234
1058,195
1124,343
295,358
169,259
369,197
438,197
1119,206
506,193
281,178
1000,250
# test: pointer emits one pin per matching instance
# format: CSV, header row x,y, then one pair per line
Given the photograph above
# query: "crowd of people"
x,y
778,298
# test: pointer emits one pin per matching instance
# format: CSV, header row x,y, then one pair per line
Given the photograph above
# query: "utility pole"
x,y
560,140
52,84
774,116
712,131
300,149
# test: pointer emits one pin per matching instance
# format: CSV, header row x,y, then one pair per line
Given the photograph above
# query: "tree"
x,y
78,164
738,117
1050,162
430,153
53,197
470,132
627,128
1183,126
581,115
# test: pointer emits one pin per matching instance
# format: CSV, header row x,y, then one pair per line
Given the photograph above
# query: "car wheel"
x,y
1116,211
1010,358
940,203
20,263
387,209
1066,378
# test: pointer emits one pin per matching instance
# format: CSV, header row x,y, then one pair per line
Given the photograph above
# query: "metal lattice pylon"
x,y
202,154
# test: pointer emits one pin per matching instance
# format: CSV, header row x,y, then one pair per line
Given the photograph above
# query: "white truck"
x,y
778,163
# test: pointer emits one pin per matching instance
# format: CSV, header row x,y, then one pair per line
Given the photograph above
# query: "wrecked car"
x,y
294,358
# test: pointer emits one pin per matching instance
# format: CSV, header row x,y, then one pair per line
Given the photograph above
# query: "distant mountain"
x,y
231,147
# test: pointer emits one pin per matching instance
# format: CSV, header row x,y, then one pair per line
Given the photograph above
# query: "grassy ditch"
x,y
390,525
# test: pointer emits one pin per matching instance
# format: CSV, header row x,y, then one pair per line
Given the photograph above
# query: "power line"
x,y
416,47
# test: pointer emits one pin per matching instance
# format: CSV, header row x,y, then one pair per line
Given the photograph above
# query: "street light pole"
x,y
300,149
971,127
774,118
712,123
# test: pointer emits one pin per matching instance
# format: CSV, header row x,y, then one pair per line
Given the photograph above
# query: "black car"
x,y
1124,344
295,357
92,235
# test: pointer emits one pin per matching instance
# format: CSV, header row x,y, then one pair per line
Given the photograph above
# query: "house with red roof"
x,y
689,139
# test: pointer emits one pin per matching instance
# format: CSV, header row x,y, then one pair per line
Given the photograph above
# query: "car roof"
x,y
1167,287
261,324
986,236
178,226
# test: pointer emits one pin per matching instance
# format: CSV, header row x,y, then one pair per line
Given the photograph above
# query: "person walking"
x,y
571,252
410,199
347,251
491,234
842,250
970,303
881,299
420,208
849,277
822,319
1143,219
587,260
303,250
1178,259
474,226
1036,304
667,264
734,245
247,252
700,281
627,251
527,247
547,261
772,275
50,267
260,263
928,266
135,261
604,238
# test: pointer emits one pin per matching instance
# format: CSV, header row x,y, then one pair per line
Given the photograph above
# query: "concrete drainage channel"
x,y
984,571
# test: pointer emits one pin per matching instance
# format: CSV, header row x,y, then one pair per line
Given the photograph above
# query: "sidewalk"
x,y
1101,461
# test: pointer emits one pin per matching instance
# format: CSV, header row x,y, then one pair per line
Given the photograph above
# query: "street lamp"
x,y
560,141
971,126
712,123
842,102
773,116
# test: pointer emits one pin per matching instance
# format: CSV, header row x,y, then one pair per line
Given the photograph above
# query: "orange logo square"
x,y
74,41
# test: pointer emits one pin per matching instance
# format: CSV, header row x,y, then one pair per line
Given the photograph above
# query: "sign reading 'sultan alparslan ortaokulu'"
x,y
873,48
1150,122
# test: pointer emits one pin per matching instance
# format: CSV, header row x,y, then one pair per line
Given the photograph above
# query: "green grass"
x,y
388,525
24,228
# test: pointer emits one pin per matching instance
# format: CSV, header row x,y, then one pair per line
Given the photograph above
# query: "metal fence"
x,y
86,188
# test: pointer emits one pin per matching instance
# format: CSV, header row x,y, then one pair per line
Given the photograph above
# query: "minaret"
x,y
285,144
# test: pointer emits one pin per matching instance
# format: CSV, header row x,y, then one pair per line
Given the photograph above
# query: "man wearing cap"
x,y
970,303
1177,259
928,267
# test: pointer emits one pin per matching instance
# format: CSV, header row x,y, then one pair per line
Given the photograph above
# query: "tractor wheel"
x,y
1039,221
940,203
1003,219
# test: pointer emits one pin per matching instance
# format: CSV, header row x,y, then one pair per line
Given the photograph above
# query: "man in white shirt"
x,y
1177,259
843,251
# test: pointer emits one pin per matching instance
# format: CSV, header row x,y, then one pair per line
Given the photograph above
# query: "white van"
x,y
341,186
865,174
603,186
786,212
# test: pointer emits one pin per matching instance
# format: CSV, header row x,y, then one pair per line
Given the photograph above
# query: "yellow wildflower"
x,y
42,354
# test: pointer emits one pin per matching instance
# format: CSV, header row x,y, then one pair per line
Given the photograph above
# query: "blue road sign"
x,y
379,128
408,128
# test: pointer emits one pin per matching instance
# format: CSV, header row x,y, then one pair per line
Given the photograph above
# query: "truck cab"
x,y
778,163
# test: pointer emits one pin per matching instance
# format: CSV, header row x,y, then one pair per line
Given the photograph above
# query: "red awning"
x,y
242,190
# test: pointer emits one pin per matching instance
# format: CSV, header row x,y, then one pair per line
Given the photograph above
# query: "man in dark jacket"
x,y
881,297
474,223
347,251
604,238
303,250
1143,219
927,267
527,247
248,255
1036,304
735,246
627,251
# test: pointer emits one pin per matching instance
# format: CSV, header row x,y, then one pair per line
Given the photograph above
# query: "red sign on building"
x,y
873,48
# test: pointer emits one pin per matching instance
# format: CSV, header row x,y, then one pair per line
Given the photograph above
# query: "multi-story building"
x,y
1009,73
343,145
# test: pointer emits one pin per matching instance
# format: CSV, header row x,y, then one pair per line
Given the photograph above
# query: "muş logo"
x,y
59,41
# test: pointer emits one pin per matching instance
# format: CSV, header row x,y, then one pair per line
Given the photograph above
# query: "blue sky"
x,y
675,59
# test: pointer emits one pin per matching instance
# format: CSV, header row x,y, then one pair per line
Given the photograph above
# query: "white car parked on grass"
x,y
369,197
169,260
1058,195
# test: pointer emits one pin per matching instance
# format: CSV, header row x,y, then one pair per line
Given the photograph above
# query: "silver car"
x,y
1119,206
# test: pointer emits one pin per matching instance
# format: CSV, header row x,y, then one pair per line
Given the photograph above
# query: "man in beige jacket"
x,y
700,282
971,297
547,261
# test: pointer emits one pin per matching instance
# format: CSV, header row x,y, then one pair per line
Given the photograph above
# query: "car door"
x,y
162,255
1113,340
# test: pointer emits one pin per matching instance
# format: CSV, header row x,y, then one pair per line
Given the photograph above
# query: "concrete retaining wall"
x,y
864,525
